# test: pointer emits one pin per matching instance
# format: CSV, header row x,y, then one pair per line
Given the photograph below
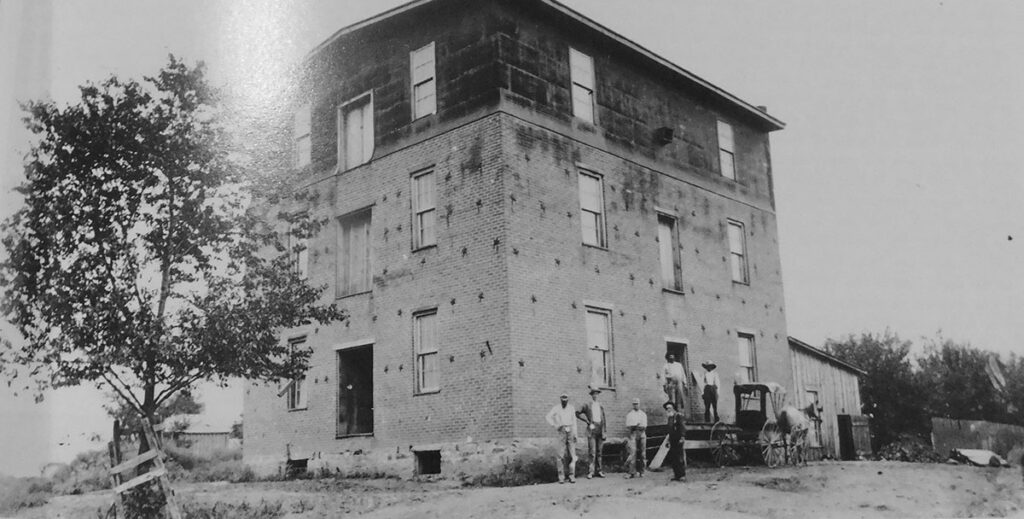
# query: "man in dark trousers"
x,y
676,437
593,414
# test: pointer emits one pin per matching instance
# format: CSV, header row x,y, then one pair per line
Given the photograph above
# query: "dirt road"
x,y
824,489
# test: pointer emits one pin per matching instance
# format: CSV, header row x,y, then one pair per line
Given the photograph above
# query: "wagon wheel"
x,y
723,448
798,448
773,447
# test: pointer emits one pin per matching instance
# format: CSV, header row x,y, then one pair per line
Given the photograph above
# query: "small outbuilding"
x,y
834,385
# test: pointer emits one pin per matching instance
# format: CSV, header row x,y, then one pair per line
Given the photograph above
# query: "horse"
x,y
795,424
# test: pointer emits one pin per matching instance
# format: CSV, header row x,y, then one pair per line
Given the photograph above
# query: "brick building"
x,y
519,202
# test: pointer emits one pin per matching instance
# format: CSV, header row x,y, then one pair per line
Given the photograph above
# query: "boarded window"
x,y
592,210
424,208
581,68
726,150
427,358
668,247
747,357
354,253
738,252
297,387
302,130
355,132
599,347
424,87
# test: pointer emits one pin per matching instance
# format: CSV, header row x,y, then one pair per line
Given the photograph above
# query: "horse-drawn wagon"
x,y
774,438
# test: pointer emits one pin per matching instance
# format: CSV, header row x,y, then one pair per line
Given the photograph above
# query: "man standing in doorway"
x,y
563,418
676,439
593,414
674,380
711,383
636,423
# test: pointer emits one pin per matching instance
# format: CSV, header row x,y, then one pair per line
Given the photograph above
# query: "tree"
x,y
958,386
140,259
891,392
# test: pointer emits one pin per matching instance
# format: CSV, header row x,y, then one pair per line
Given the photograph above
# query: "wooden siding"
x,y
838,393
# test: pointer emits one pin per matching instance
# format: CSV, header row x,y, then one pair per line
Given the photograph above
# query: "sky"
x,y
898,186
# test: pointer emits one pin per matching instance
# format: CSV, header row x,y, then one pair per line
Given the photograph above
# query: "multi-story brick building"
x,y
520,202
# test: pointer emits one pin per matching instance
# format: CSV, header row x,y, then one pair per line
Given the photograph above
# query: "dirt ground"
x,y
822,489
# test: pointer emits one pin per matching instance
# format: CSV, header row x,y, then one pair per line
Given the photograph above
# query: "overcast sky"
x,y
898,183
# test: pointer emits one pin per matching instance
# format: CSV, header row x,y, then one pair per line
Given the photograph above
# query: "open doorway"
x,y
694,405
355,391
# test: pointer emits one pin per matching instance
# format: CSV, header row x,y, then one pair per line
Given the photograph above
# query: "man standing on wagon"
x,y
675,378
710,382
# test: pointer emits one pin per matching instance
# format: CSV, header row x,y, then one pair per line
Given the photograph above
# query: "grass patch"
x,y
19,493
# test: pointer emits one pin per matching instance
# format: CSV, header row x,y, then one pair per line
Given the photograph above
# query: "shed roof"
x,y
554,6
824,355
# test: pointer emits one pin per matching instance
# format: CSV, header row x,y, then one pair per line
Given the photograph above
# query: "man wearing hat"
x,y
593,414
710,383
676,437
563,418
636,423
675,378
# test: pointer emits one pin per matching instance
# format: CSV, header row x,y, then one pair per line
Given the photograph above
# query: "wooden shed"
x,y
835,385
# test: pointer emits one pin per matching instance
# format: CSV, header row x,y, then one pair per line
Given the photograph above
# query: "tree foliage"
x,y
139,260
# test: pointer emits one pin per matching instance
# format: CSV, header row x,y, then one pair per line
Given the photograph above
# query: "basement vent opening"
x,y
295,468
428,462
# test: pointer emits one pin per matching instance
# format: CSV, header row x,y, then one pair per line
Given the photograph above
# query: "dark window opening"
x,y
428,462
295,468
355,391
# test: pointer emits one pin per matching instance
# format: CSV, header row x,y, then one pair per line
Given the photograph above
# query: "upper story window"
x,y
738,252
355,131
747,357
354,253
301,130
424,87
424,209
592,210
428,365
296,387
668,245
298,247
581,69
599,346
726,150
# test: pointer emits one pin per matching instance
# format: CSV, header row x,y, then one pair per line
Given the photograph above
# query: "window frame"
x,y
296,398
431,80
676,284
343,289
738,260
726,148
302,132
420,214
749,369
299,259
608,355
420,384
585,83
600,224
362,102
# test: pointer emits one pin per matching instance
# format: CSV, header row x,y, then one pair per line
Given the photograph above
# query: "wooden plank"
x,y
659,458
135,462
171,508
136,481
700,444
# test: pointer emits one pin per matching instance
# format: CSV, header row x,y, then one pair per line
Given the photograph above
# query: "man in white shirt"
x,y
592,413
563,418
711,384
675,379
636,423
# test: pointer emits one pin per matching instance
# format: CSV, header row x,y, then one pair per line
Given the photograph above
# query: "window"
x,y
668,245
355,132
427,359
581,70
738,252
298,247
592,210
726,150
424,88
296,387
599,347
301,129
424,210
748,357
354,253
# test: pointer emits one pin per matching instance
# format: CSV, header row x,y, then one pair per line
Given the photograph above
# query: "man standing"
x,y
593,414
674,380
676,439
563,418
636,423
711,383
